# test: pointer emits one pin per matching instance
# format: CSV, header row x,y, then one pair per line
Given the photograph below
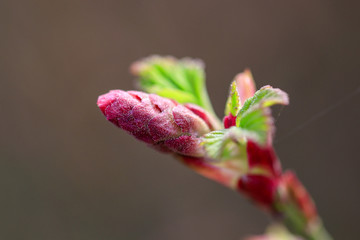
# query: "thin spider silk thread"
x,y
281,109
319,115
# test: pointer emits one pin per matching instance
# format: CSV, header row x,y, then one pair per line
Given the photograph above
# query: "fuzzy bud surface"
x,y
160,122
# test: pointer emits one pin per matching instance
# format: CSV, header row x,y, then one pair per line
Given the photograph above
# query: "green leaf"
x,y
294,218
258,123
214,143
180,79
226,144
255,116
265,97
233,103
180,96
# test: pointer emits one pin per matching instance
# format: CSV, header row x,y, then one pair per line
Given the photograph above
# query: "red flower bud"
x,y
159,121
297,192
229,121
263,157
259,188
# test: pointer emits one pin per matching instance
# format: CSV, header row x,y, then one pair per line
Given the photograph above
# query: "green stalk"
x,y
294,219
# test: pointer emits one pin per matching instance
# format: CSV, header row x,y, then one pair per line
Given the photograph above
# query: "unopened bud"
x,y
297,193
245,85
158,121
263,157
229,121
259,188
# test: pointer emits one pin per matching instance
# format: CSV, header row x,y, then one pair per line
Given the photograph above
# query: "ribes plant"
x,y
174,115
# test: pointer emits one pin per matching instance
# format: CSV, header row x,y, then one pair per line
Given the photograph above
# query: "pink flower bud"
x,y
204,115
275,232
158,121
245,85
259,238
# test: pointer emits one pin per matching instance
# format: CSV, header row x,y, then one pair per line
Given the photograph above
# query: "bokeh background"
x,y
67,173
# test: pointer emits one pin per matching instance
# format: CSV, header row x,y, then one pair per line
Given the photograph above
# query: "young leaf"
x,y
242,88
226,143
255,115
214,143
257,121
265,97
179,95
233,103
180,79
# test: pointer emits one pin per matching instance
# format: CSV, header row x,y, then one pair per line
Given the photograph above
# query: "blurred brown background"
x,y
67,173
